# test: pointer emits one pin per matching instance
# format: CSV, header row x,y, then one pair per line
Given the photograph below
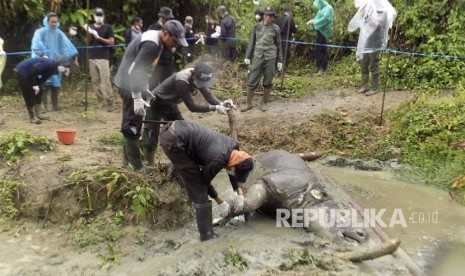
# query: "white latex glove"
x,y
280,66
215,35
36,89
44,56
139,104
228,103
221,109
238,203
310,22
247,61
223,209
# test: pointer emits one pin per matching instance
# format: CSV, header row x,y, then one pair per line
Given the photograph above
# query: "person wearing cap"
x,y
322,23
50,42
265,48
139,59
100,39
188,52
166,65
178,88
198,154
288,29
228,33
134,31
31,74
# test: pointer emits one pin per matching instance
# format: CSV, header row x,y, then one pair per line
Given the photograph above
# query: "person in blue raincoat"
x,y
322,23
50,42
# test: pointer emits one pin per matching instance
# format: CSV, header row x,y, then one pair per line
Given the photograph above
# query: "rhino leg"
x,y
253,199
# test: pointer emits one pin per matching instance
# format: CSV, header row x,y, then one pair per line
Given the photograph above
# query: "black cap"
x,y
268,11
99,11
203,75
177,30
243,169
166,12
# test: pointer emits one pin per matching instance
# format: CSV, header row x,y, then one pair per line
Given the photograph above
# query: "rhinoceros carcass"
x,y
282,180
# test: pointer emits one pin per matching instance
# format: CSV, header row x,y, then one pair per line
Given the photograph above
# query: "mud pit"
x,y
170,244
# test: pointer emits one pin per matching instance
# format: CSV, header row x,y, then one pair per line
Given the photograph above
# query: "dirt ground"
x,y
38,243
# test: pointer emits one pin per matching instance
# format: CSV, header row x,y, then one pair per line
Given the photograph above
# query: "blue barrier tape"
x,y
290,42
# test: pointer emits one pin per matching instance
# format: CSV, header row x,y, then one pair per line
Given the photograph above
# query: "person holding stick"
x,y
139,59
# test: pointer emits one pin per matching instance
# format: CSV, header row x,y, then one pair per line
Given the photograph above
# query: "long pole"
x,y
86,102
384,89
288,20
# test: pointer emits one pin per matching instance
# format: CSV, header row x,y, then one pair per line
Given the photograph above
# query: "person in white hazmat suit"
x,y
374,18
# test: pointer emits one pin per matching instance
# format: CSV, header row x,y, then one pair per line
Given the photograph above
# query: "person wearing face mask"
x,y
135,31
180,87
79,59
265,49
31,74
198,155
139,59
50,42
100,39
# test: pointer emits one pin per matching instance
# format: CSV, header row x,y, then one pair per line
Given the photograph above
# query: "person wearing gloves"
x,y
100,38
265,48
323,25
178,88
50,42
374,18
198,154
31,74
139,59
288,28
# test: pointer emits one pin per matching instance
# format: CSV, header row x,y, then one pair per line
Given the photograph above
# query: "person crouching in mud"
x,y
198,155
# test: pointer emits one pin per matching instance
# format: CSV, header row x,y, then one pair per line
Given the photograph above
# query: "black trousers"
x,y
229,49
158,110
188,170
131,124
30,98
321,52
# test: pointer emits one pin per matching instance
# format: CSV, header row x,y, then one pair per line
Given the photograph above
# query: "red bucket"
x,y
66,135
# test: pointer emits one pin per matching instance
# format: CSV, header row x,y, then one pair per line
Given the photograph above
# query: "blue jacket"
x,y
37,70
52,43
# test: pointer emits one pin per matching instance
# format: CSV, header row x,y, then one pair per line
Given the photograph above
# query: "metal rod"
x,y
384,90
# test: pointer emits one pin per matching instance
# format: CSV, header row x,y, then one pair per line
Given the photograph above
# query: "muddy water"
x,y
434,231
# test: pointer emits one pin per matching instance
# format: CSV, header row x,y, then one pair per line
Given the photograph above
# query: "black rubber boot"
x,y
44,107
37,112
204,218
55,98
265,99
364,85
32,118
374,85
134,156
149,157
250,93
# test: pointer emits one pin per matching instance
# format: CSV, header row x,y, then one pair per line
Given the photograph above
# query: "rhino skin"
x,y
283,180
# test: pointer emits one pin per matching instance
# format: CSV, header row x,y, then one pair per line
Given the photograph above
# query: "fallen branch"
x,y
363,254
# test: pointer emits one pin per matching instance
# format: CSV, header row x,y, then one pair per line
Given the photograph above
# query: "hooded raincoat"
x,y
323,20
374,18
52,43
